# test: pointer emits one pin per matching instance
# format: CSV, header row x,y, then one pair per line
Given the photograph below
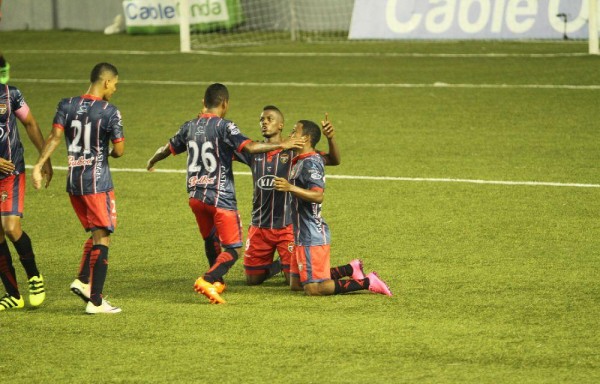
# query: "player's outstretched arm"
x,y
310,195
49,147
261,147
160,154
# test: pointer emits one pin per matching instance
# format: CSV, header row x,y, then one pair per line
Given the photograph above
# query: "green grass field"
x,y
492,282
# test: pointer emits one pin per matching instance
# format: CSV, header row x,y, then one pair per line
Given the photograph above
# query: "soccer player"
x,y
12,194
310,264
210,142
4,67
271,228
90,124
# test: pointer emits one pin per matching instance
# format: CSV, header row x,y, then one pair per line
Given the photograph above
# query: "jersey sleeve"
x,y
242,157
178,143
60,117
313,175
234,137
115,125
18,104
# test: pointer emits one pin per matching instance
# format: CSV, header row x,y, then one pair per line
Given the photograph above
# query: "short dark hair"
x,y
215,95
311,129
273,108
100,68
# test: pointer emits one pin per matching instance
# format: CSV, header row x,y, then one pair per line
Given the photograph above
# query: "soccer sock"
x,y
222,265
98,269
26,256
341,271
84,265
349,285
7,271
274,268
212,247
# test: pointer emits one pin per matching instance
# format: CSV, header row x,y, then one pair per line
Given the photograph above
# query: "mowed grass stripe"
x,y
329,85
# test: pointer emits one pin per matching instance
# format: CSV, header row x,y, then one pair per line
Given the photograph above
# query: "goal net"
x,y
256,22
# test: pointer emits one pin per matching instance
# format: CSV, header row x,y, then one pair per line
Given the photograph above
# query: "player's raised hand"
x,y
281,184
6,166
327,127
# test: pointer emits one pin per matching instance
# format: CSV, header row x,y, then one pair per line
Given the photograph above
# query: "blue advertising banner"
x,y
469,19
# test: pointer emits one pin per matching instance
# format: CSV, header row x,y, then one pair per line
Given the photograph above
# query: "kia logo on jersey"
x,y
266,182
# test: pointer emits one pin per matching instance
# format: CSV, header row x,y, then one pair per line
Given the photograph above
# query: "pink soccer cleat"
x,y
357,269
377,285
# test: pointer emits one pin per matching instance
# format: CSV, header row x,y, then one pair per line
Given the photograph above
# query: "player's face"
x,y
297,131
110,86
270,123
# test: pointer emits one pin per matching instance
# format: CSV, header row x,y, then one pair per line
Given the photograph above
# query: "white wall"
x,y
88,15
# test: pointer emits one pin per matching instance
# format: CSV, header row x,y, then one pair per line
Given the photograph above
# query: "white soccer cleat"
x,y
105,307
81,289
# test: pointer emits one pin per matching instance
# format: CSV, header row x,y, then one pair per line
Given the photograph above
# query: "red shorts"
x,y
311,263
261,246
96,211
12,195
227,223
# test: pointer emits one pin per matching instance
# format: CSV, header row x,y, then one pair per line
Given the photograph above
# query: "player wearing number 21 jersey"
x,y
210,142
90,125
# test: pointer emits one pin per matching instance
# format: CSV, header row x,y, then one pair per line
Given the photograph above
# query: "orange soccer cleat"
x,y
209,290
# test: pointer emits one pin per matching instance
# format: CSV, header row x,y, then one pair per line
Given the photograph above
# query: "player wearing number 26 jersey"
x,y
90,125
211,141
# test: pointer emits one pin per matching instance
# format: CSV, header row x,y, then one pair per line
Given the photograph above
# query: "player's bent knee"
x,y
312,289
255,279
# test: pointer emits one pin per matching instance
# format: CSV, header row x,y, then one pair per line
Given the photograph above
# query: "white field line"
x,y
323,85
381,178
297,54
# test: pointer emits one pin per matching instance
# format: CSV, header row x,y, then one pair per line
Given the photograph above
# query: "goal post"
x,y
594,49
184,26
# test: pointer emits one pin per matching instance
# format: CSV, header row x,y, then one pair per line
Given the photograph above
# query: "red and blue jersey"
x,y
308,172
210,142
12,105
90,124
270,208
